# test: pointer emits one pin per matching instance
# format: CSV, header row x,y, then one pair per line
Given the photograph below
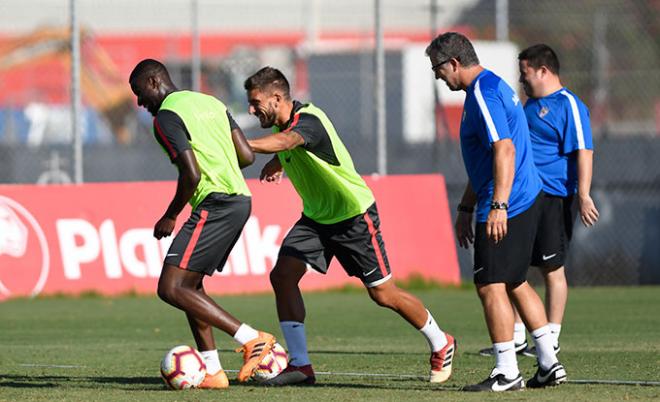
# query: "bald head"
x,y
151,83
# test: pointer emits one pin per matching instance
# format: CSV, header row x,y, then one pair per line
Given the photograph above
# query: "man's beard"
x,y
267,118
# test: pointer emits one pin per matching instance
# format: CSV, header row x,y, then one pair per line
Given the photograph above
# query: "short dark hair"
x,y
268,78
456,46
541,55
149,66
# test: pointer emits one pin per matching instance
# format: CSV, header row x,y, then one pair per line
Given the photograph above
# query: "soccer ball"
x,y
182,368
272,364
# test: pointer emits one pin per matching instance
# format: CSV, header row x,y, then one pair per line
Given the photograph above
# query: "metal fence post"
x,y
381,129
76,103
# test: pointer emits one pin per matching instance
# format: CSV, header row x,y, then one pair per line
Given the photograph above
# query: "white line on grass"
x,y
330,373
616,382
51,365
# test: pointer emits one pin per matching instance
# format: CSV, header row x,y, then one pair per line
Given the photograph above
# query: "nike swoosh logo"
x,y
544,378
505,350
371,272
540,336
172,255
547,257
478,270
497,387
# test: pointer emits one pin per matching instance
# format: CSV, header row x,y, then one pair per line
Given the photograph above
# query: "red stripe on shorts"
x,y
193,239
374,241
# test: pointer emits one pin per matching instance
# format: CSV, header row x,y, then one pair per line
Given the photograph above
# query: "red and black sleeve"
x,y
317,139
171,133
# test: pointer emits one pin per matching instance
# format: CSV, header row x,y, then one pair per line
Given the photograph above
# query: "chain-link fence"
x,y
608,50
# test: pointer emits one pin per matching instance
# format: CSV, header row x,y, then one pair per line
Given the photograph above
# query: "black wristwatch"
x,y
465,208
499,205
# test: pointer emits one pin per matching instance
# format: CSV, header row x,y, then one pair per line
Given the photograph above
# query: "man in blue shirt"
x,y
563,153
506,188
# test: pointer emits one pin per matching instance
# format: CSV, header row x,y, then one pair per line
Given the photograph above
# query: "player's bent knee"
x,y
382,298
277,277
167,284
166,292
287,272
281,278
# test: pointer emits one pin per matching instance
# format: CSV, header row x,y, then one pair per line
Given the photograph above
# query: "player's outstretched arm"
x,y
588,212
243,150
189,177
276,142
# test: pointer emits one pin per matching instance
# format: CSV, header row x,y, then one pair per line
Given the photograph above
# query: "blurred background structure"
x,y
609,52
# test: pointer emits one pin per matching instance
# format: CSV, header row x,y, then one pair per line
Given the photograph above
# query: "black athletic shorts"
x,y
356,242
508,260
556,219
206,239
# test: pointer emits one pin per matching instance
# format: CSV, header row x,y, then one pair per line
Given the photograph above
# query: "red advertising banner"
x,y
99,237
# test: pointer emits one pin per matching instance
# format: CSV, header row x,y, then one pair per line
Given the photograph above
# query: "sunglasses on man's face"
x,y
438,65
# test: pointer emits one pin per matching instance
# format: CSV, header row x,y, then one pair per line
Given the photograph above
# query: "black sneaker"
x,y
497,382
555,375
520,349
531,352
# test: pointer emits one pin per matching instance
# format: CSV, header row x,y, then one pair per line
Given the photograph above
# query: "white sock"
x,y
555,329
296,342
519,336
545,353
245,334
505,359
212,361
433,334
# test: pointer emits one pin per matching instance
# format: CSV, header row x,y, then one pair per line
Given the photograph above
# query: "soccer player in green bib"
x,y
339,219
199,135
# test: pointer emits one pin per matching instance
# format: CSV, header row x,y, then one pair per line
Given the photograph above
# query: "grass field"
x,y
98,349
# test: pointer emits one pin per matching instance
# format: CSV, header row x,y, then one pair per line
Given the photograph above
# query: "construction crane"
x,y
103,87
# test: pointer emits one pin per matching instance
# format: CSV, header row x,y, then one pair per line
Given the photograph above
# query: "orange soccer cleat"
x,y
253,352
216,381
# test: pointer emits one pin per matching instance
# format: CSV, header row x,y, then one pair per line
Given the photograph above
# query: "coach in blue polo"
x,y
504,192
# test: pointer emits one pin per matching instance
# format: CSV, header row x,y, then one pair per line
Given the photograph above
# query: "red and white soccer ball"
x,y
182,368
272,364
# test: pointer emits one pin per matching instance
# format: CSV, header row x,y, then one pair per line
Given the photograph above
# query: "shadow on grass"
x,y
54,381
156,384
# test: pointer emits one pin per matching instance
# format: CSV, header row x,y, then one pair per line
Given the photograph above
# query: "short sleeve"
x,y
171,133
577,127
310,128
317,139
493,113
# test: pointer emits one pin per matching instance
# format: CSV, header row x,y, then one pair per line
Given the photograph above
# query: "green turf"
x,y
608,334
